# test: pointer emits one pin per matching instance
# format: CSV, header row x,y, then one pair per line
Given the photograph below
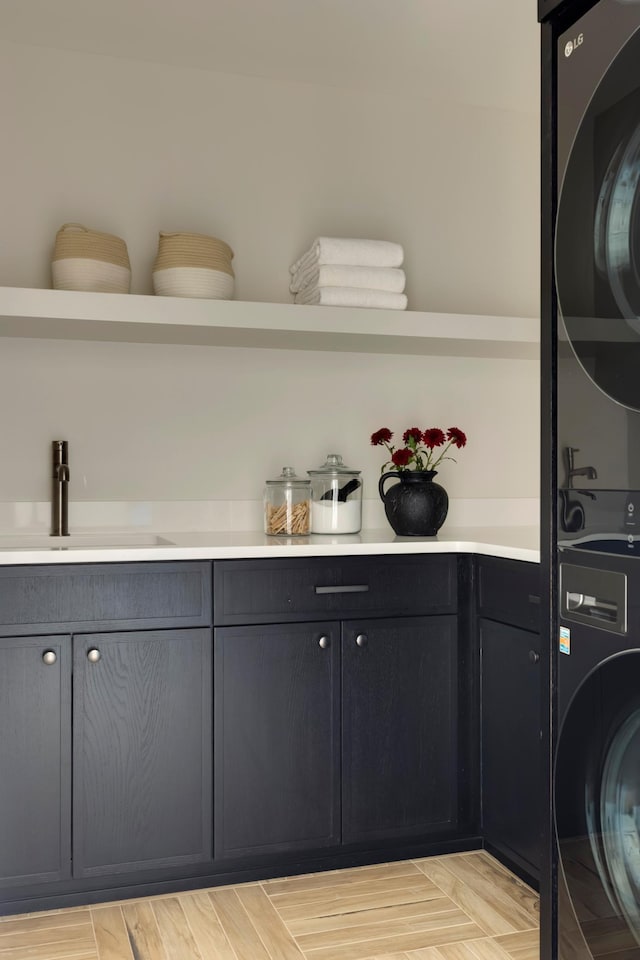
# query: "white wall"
x,y
163,422
133,148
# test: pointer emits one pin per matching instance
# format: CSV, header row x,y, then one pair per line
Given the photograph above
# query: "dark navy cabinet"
x,y
334,588
35,754
330,733
142,736
277,741
106,736
80,597
511,746
334,730
320,711
399,737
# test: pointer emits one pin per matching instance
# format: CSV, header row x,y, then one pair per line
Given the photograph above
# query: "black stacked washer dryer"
x,y
591,475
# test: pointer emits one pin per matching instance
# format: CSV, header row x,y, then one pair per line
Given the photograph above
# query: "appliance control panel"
x,y
600,521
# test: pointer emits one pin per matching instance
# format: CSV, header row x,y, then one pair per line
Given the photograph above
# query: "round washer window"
x,y
597,809
598,234
620,819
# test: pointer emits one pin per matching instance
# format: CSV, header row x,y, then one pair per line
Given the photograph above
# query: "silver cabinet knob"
x,y
49,657
323,642
534,656
93,655
361,640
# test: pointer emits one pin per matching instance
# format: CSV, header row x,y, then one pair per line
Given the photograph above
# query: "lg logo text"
x,y
572,45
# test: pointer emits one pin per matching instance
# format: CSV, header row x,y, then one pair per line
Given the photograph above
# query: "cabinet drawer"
x,y
277,591
106,596
509,591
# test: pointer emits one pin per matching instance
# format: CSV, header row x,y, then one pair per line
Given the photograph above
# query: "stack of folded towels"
x,y
350,273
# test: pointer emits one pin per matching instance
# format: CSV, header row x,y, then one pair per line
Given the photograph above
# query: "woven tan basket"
x,y
193,250
74,241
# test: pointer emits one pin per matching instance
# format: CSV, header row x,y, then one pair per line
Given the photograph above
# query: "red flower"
x,y
402,457
414,433
433,437
380,437
421,451
457,436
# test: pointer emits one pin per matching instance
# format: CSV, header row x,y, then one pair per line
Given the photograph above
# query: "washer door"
x,y
598,233
597,814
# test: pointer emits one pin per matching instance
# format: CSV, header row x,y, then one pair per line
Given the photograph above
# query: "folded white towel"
x,y
359,253
352,297
330,275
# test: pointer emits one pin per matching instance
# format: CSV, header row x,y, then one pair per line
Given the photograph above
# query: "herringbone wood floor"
x,y
460,907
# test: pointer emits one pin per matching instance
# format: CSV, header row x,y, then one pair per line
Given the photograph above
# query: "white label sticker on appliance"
x,y
565,640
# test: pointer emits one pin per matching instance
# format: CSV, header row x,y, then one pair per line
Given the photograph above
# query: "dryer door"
x,y
598,221
597,814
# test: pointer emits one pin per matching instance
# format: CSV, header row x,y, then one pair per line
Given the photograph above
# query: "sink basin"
x,y
76,541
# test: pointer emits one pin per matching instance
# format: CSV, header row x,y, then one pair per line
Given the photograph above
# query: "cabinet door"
x,y
35,761
141,751
277,738
511,745
399,740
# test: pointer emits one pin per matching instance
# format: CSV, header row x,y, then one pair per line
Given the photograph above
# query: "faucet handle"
x,y
60,450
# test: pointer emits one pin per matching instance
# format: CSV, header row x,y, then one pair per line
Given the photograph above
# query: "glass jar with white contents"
x,y
287,505
336,497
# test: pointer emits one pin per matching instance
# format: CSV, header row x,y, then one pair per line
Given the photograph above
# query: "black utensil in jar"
x,y
343,492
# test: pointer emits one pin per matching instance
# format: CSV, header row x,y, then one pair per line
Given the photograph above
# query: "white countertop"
x,y
515,543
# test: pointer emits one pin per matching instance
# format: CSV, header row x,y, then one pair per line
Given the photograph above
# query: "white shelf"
x,y
57,314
